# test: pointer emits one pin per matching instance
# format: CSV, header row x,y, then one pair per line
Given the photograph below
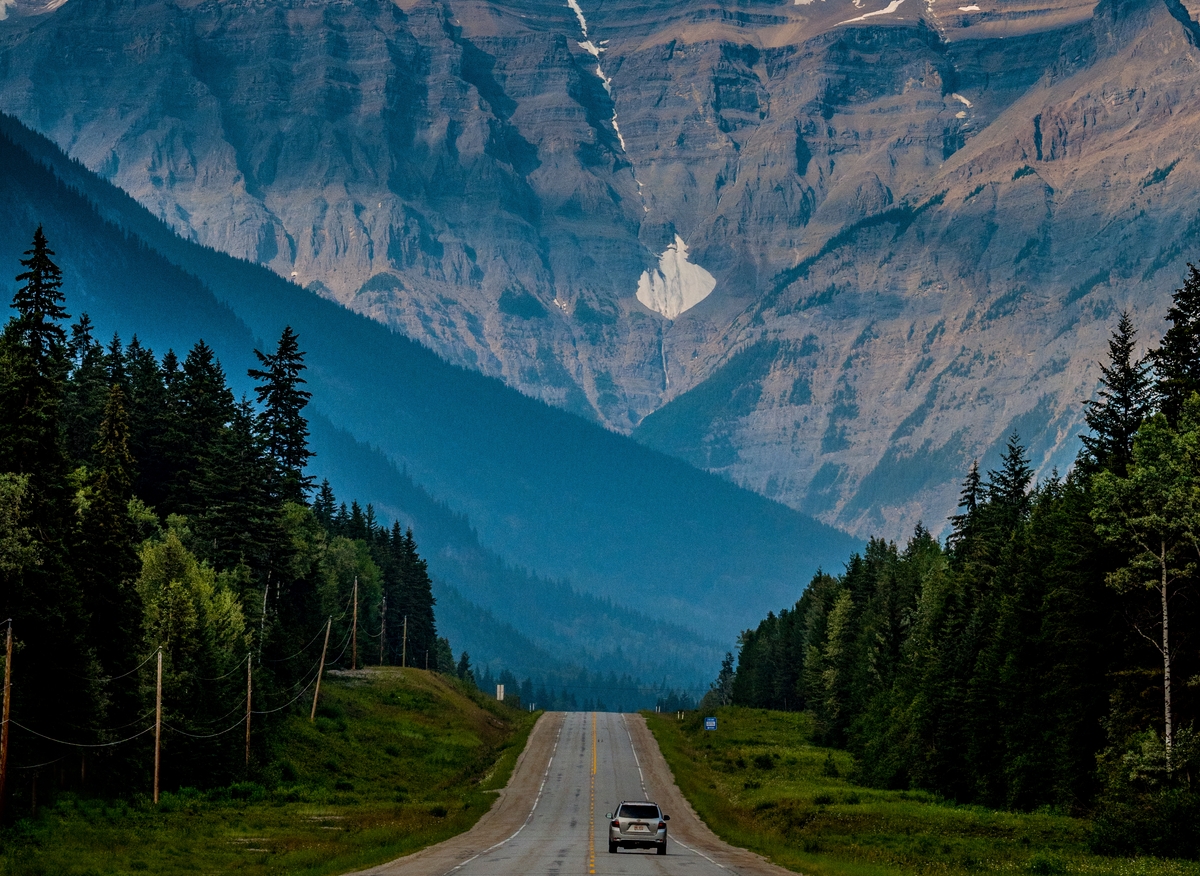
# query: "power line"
x,y
298,653
81,744
229,673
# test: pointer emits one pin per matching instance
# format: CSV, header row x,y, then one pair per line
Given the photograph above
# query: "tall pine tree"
x,y
282,422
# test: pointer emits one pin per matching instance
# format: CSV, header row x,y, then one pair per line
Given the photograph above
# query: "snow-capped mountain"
x,y
831,249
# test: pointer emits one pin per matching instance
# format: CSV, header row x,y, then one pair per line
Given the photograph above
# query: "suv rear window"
x,y
638,810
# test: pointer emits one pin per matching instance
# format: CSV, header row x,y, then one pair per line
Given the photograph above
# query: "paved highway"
x,y
550,819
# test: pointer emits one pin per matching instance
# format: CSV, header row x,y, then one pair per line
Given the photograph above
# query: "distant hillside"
x,y
544,490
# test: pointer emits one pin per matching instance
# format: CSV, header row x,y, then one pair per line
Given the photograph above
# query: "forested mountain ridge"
x,y
1046,654
901,228
547,494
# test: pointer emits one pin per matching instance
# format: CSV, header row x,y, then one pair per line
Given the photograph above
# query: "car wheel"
x,y
612,848
662,850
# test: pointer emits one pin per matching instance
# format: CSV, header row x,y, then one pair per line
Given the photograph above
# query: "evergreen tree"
x,y
969,499
281,421
325,505
86,392
1121,405
1177,360
44,599
200,404
235,521
151,421
106,561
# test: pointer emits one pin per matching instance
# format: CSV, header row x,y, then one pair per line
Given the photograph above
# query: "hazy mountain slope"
x,y
545,489
930,214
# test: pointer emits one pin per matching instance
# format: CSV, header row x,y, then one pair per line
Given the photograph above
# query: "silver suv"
x,y
639,825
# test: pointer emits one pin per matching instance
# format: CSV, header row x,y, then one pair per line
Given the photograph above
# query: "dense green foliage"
x,y
146,511
396,760
1029,660
761,782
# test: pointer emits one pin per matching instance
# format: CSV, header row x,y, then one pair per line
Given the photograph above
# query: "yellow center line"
x,y
592,818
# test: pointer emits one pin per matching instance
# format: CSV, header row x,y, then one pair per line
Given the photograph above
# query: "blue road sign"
x,y
710,723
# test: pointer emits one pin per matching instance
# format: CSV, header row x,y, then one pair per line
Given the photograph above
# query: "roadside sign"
x,y
710,723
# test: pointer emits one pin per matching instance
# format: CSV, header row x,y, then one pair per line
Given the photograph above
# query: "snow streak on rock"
x,y
891,7
677,285
594,50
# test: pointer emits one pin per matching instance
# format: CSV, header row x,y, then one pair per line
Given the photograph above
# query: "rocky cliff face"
x,y
833,249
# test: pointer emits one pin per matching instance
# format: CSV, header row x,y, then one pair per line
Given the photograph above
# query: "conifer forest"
x,y
156,531
1046,655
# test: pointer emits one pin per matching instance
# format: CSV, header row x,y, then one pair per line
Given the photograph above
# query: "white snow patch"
x,y
803,2
961,114
4,4
971,8
961,99
891,7
591,48
677,285
578,14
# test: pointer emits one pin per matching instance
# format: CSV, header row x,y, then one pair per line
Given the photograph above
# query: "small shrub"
x,y
343,785
391,751
249,791
822,799
764,761
438,811
740,763
751,786
829,768
287,772
1045,865
852,799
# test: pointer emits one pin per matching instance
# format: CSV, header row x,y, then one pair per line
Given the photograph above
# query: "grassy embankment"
x,y
759,784
397,760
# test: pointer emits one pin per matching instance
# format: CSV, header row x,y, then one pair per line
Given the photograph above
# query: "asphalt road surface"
x,y
550,820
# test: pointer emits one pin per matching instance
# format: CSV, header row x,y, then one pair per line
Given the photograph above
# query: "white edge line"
x,y
532,809
673,838
702,855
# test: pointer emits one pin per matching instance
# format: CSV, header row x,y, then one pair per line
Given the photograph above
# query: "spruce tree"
x,y
282,421
106,561
200,405
44,602
1121,405
1177,360
86,392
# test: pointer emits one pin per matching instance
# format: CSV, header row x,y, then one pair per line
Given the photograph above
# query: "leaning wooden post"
x,y
320,672
354,630
158,724
7,703
249,691
404,647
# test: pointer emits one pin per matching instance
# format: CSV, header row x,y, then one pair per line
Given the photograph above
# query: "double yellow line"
x,y
592,808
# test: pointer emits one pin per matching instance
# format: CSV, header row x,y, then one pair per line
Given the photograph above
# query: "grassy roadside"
x,y
759,784
396,760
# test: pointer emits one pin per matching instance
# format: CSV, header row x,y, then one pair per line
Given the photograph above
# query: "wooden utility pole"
x,y
249,691
320,671
7,702
383,631
354,630
158,725
404,647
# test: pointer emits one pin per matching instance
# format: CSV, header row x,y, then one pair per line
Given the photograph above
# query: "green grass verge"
x,y
759,784
397,760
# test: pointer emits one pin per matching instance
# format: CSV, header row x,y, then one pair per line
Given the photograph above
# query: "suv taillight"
x,y
616,823
662,825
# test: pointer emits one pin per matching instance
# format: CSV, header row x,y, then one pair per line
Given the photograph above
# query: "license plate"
x,y
639,828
